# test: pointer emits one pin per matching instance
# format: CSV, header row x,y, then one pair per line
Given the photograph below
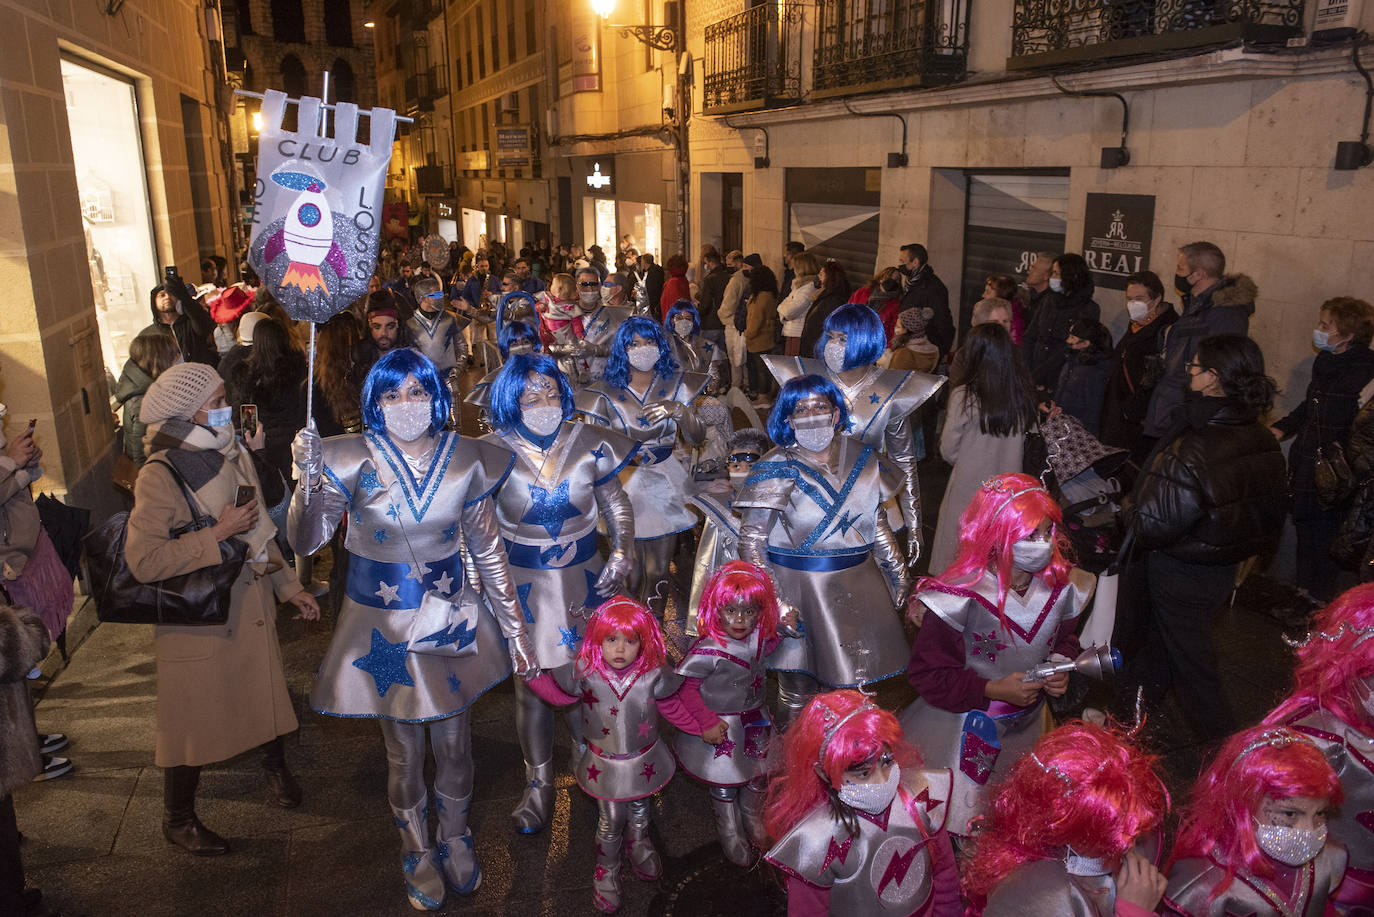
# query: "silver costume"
x,y
598,331
440,338
981,747
548,509
1045,888
888,867
1303,892
832,556
407,518
717,546
698,355
880,406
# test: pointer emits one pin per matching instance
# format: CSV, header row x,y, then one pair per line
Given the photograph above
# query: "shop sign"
x,y
445,210
493,200
586,49
1116,236
598,181
512,147
473,160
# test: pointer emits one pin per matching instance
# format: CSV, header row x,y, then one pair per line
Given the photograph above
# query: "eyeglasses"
x,y
438,294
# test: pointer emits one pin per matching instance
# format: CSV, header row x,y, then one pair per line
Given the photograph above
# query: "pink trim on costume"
x,y
965,593
722,654
1357,888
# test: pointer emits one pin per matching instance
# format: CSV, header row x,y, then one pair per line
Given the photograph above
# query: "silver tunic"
x,y
732,676
439,339
548,510
833,557
599,329
1191,882
480,395
981,747
625,758
886,869
406,522
1044,888
880,407
657,482
698,355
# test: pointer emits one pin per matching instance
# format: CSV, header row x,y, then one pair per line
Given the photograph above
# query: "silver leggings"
x,y
451,739
534,725
615,816
794,690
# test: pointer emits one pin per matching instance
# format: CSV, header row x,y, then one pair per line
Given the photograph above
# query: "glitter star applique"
x,y
450,533
442,852
599,453
593,772
726,749
977,760
605,731
615,711
663,393
522,593
410,861
874,399
835,852
550,508
987,645
369,482
648,770
601,872
387,593
386,663
400,822
568,636
380,536
457,637
454,683
418,571
444,583
393,511
589,697
645,728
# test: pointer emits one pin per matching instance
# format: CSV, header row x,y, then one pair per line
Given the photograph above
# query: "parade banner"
x,y
317,206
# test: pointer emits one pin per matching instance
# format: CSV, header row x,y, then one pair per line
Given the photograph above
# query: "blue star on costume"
x,y
522,592
451,533
400,822
593,600
386,663
454,682
568,636
379,536
410,861
874,399
457,637
598,453
393,511
369,481
550,508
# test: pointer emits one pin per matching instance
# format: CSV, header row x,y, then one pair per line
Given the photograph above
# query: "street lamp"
x,y
662,37
604,8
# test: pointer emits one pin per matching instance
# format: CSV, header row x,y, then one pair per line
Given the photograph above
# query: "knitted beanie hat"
x,y
247,324
179,392
912,321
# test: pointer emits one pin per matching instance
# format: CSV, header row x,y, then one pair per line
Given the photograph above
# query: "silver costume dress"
x,y
833,557
1351,753
699,355
981,746
1303,892
880,408
885,869
598,330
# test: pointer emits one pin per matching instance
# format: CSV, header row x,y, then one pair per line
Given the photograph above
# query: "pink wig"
x,y
1263,762
1091,790
1005,509
1335,660
621,615
739,581
797,787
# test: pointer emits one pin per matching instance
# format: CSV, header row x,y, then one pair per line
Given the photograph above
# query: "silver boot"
x,y
424,882
454,848
536,805
606,878
644,859
730,827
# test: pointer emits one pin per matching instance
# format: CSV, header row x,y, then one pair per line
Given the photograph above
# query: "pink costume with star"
x,y
977,630
844,861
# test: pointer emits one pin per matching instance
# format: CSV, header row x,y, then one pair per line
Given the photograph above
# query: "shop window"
x,y
112,188
338,23
288,20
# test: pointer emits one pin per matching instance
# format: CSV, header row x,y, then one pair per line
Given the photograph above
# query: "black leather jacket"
x,y
1215,489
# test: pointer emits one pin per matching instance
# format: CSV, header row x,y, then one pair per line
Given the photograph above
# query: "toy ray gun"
x,y
1097,662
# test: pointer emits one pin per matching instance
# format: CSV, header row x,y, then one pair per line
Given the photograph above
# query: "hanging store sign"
x,y
586,49
1117,229
598,181
512,147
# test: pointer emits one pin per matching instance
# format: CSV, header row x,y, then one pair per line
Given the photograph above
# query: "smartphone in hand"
x,y
248,419
245,495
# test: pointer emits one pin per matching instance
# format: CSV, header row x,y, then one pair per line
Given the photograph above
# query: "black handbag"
x,y
1351,543
200,597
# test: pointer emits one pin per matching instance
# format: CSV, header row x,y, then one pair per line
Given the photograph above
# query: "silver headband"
x,y
1364,632
1054,771
1271,738
997,488
835,727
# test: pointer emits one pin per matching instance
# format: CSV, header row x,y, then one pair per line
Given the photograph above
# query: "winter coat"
x,y
129,390
814,326
763,322
193,329
711,294
23,644
674,288
792,310
654,279
1045,341
1324,417
1214,490
220,690
1224,309
926,291
19,522
1080,385
1136,366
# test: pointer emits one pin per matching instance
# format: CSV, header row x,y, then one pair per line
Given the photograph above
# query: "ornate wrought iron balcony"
x,y
1047,33
753,59
868,45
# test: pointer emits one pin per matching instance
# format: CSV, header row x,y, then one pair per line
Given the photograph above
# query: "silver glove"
x,y
788,630
522,655
307,453
613,575
660,411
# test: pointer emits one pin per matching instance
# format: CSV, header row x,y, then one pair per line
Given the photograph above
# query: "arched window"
x,y
245,11
342,86
338,23
288,20
293,79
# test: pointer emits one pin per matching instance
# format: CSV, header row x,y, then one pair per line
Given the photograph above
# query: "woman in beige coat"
x,y
220,689
792,310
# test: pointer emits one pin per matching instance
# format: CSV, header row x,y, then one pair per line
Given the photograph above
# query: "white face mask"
x,y
1138,309
683,327
834,356
590,298
1290,846
873,798
814,433
1056,285
738,477
643,357
219,417
1321,339
1031,556
542,420
407,420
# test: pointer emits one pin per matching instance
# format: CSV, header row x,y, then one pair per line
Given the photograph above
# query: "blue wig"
x,y
863,334
389,372
617,373
799,389
509,387
505,300
682,307
515,332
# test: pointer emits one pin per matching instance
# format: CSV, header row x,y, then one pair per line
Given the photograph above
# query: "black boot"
x,y
179,823
286,791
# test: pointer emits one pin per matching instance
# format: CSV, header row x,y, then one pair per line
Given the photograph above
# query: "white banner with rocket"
x,y
317,206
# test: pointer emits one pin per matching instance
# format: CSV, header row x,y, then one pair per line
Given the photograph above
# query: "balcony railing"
x,y
867,45
753,60
1047,33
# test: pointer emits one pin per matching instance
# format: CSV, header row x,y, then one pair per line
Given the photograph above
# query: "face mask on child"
x,y
873,798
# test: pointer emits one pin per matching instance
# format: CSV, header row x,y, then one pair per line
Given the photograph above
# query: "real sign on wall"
x,y
1116,236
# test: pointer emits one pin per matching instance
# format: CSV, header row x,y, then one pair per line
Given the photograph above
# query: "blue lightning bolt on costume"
x,y
410,511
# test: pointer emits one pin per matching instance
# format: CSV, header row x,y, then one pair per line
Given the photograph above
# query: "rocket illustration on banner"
x,y
307,236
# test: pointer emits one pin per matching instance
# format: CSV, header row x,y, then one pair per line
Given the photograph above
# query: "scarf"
x,y
213,464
